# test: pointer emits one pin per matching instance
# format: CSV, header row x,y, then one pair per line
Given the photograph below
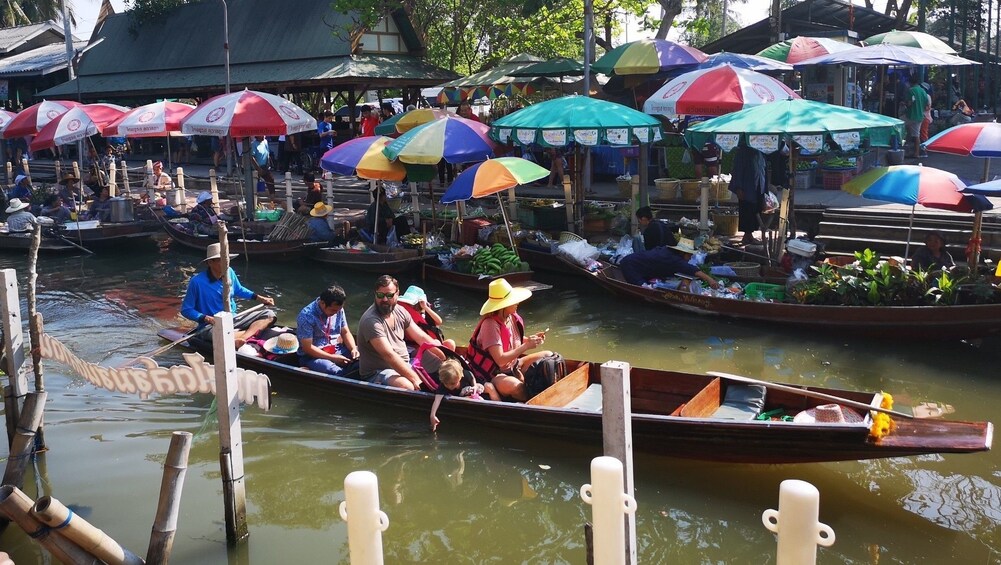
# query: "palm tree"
x,y
23,12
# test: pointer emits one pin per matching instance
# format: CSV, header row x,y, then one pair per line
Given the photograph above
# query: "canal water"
x,y
471,495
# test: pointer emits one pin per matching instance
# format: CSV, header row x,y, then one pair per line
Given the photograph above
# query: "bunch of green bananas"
x,y
496,260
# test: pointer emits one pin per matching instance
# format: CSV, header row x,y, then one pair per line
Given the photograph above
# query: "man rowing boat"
x,y
203,299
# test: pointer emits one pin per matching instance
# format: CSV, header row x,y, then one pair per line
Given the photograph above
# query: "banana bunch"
x,y
412,240
712,245
496,260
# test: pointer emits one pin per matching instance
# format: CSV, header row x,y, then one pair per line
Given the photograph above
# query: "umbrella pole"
x,y
910,226
434,214
168,154
507,225
376,220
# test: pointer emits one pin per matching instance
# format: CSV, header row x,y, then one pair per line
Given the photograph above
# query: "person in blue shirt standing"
x,y
203,299
261,153
326,131
22,188
326,344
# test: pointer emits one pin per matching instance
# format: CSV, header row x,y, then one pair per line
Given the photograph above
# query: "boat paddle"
x,y
809,393
194,333
67,241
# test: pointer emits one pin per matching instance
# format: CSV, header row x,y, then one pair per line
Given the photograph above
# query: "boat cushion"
x,y
741,402
587,401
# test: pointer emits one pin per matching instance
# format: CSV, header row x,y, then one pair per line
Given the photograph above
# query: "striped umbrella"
x,y
362,157
491,177
77,123
152,120
454,139
5,117
647,57
716,91
912,39
245,113
33,118
801,48
977,139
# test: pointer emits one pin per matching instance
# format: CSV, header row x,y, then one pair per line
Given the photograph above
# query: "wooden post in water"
x,y
113,179
23,445
230,434
288,192
15,505
227,285
161,540
179,195
617,435
76,529
13,350
569,204
34,320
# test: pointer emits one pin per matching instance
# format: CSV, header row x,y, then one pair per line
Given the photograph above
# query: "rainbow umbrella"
x,y
362,157
801,48
491,177
647,57
912,39
454,139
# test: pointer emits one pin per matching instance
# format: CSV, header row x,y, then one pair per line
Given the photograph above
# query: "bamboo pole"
x,y
13,350
56,515
230,430
24,439
161,539
227,285
15,505
34,320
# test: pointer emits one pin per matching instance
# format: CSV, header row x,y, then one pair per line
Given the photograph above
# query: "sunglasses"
x,y
381,295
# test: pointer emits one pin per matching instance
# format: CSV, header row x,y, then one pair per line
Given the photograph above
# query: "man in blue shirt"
x,y
318,226
22,188
326,131
203,299
261,153
326,344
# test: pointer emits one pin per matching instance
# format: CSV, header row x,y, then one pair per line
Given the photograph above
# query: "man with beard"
x,y
382,334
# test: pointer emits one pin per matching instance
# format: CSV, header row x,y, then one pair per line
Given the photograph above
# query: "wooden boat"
x,y
887,322
87,234
380,259
252,245
474,282
542,259
672,414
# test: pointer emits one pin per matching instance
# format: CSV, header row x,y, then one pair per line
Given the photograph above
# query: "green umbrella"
x,y
587,121
912,39
558,67
388,127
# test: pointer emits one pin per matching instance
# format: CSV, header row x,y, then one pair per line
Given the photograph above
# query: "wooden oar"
x,y
809,393
191,334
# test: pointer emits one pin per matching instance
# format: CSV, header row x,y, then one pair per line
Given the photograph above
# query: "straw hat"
x,y
413,296
502,294
684,245
69,177
16,205
282,344
320,210
213,251
828,414
203,196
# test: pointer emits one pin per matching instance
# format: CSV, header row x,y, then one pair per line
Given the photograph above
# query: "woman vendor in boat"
x,y
314,194
499,345
53,208
663,262
70,192
415,302
203,216
319,229
933,256
100,208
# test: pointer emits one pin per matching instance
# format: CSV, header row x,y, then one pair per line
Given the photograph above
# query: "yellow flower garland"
x,y
882,424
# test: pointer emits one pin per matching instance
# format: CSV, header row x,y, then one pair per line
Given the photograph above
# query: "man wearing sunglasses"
x,y
382,334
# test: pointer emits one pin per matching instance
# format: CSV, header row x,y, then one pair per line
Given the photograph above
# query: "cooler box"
x,y
801,247
471,228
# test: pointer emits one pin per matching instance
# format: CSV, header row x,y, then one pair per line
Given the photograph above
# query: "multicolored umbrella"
x,y
744,61
587,121
77,123
492,176
800,48
152,120
912,39
246,113
362,156
647,57
978,139
716,91
886,54
33,118
454,139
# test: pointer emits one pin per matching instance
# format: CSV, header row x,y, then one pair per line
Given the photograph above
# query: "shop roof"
x,y
18,38
37,62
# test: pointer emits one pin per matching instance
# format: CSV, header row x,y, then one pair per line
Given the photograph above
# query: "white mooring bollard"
x,y
608,504
366,522
797,523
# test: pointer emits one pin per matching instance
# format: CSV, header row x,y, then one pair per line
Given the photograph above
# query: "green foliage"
x,y
145,11
23,12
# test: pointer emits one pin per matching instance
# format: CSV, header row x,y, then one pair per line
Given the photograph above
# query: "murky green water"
x,y
484,496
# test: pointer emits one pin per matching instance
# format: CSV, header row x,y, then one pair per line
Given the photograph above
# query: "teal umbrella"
x,y
558,67
388,127
586,121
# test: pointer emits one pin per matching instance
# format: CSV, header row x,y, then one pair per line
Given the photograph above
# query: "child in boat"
x,y
455,381
415,302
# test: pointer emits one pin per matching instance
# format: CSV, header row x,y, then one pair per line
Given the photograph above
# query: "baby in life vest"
x,y
455,382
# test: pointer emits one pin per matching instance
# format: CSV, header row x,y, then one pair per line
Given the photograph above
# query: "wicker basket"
x,y
725,223
720,191
745,268
568,236
625,188
690,191
667,189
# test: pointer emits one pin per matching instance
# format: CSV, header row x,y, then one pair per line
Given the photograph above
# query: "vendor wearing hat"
x,y
663,262
70,191
22,188
19,218
318,227
499,345
203,215
326,344
203,299
159,180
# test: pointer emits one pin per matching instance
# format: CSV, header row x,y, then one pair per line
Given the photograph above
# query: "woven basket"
x,y
690,191
568,236
745,268
667,189
725,224
720,191
625,188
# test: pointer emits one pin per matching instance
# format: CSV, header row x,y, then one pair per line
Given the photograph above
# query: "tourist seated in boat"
x,y
655,232
54,208
19,218
203,217
203,299
663,262
499,346
314,194
22,188
455,380
382,334
387,219
70,191
319,229
100,208
415,302
326,344
933,256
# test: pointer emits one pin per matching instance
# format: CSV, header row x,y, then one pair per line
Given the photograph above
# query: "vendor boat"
x,y
886,322
692,416
478,282
249,244
373,259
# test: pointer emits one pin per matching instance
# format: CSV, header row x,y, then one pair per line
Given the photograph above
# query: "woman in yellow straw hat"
x,y
498,345
319,229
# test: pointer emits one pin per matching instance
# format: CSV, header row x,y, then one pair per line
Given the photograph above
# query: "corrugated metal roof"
x,y
13,37
36,62
375,70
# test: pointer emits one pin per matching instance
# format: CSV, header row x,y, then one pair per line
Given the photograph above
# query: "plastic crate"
x,y
765,290
803,179
835,178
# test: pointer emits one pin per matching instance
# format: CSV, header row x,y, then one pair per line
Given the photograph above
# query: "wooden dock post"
x,y
161,540
23,445
13,349
125,181
288,192
330,187
617,435
35,325
230,431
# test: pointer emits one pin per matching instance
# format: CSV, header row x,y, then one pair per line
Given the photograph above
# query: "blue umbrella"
x,y
990,188
744,61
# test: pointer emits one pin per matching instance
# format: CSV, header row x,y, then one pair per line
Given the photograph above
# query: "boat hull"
x,y
389,262
474,282
272,250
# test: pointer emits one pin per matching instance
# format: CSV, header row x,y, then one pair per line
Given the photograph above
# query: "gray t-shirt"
x,y
373,325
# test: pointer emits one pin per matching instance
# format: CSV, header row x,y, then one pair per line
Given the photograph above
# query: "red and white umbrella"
x,y
5,117
246,113
152,120
716,91
76,124
33,118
